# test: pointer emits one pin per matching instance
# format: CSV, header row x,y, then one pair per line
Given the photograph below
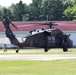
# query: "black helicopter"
x,y
46,38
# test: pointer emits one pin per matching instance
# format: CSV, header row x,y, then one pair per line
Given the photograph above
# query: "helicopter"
x,y
43,38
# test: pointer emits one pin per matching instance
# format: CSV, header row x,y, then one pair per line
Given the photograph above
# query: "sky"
x,y
9,2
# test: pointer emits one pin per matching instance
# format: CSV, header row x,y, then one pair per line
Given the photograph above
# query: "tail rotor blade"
x,y
13,25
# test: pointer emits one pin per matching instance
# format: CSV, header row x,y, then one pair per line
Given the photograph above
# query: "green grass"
x,y
32,67
28,67
38,51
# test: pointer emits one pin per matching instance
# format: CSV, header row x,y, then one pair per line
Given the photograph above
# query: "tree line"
x,y
40,10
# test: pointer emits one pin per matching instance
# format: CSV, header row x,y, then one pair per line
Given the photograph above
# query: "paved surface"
x,y
38,57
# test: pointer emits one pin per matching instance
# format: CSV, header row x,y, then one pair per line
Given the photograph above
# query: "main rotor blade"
x,y
50,24
13,25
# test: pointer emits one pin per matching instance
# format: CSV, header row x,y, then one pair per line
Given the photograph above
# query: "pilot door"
x,y
51,41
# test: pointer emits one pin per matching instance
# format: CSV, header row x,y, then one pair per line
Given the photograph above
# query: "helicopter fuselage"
x,y
48,40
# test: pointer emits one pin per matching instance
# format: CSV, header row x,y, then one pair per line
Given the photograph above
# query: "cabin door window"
x,y
51,41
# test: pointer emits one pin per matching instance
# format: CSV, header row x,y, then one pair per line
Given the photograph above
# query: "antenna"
x,y
47,17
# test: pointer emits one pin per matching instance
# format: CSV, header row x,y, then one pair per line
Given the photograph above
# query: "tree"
x,y
5,12
53,9
35,10
74,2
70,12
18,10
40,10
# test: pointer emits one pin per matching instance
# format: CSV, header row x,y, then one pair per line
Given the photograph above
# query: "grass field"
x,y
39,51
25,67
32,67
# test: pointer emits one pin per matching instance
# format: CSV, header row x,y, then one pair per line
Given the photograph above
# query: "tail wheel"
x,y
17,50
46,49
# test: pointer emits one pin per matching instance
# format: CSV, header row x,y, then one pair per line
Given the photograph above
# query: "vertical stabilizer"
x,y
9,33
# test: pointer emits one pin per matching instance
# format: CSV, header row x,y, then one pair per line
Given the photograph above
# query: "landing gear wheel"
x,y
17,50
65,49
46,49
